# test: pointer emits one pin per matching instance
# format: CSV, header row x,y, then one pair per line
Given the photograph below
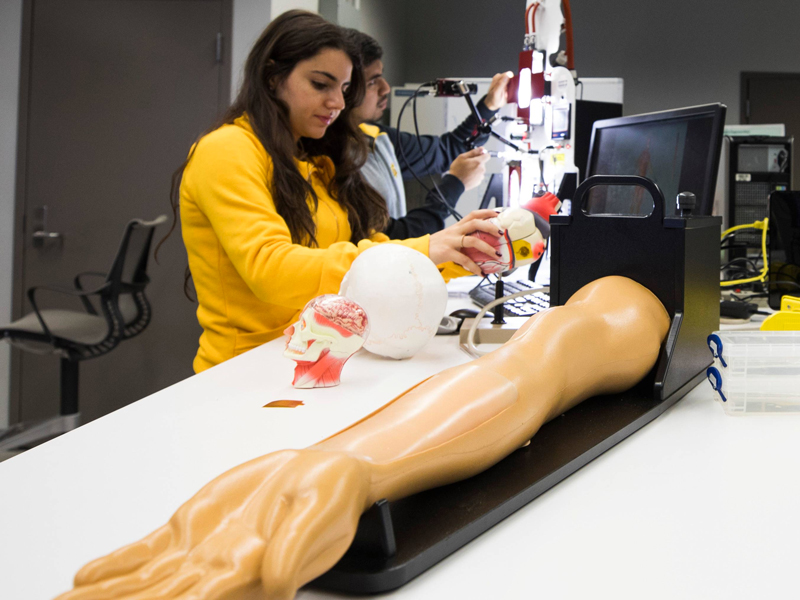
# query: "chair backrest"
x,y
130,263
124,304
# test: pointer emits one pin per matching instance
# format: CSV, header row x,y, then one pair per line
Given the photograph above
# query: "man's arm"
x,y
430,217
466,172
433,154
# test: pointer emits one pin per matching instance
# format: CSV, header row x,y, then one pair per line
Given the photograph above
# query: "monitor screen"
x,y
784,246
677,149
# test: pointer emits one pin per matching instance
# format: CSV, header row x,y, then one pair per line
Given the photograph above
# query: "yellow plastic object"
x,y
788,319
791,303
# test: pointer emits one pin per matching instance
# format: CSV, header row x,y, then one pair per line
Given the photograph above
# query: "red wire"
x,y
528,24
568,22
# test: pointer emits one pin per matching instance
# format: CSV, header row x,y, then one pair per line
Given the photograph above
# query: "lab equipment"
x,y
524,306
677,149
756,372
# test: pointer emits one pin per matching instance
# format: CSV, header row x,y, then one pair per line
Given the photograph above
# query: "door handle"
x,y
46,235
40,234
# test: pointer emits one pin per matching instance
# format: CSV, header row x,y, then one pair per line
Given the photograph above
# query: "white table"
x,y
695,505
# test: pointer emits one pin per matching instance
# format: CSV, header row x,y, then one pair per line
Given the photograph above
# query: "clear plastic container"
x,y
756,371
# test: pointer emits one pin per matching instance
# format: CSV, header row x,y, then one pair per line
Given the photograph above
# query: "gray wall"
x,y
249,19
671,54
10,33
385,20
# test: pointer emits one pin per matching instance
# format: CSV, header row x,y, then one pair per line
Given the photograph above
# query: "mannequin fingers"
x,y
223,585
233,567
184,579
123,587
125,560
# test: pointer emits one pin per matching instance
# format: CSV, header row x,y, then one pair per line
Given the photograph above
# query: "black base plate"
x,y
432,525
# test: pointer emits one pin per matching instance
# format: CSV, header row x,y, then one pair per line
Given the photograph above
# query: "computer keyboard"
x,y
524,306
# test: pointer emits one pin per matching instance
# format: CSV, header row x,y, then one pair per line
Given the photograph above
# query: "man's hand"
x,y
470,167
497,96
276,522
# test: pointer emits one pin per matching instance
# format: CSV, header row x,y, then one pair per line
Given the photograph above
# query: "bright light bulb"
x,y
537,62
536,116
524,93
513,189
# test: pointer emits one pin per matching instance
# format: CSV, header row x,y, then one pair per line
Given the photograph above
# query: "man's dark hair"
x,y
365,45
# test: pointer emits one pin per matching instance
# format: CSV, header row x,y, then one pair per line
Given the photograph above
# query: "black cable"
x,y
751,263
428,166
486,278
450,209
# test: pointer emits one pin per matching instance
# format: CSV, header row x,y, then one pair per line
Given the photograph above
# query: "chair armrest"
x,y
79,293
78,286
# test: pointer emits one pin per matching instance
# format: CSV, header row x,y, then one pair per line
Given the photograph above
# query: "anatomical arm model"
x,y
276,522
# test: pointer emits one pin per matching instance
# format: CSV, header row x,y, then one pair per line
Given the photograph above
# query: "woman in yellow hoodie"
x,y
273,207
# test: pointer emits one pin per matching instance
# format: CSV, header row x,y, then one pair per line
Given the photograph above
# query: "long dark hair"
x,y
294,36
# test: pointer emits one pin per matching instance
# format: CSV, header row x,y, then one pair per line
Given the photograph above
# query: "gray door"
x,y
113,94
773,98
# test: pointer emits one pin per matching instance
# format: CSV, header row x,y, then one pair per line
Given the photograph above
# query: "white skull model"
x,y
330,330
404,294
521,243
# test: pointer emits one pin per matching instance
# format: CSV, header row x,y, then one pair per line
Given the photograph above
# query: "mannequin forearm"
x,y
285,518
467,418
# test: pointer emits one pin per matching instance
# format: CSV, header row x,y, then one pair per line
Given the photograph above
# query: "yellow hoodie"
x,y
251,280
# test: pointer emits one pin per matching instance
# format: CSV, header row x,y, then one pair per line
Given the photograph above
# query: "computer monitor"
x,y
678,149
784,246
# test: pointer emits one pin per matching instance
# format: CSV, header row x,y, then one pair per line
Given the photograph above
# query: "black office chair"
x,y
76,336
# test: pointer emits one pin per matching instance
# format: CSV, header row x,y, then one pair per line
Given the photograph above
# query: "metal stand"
x,y
27,434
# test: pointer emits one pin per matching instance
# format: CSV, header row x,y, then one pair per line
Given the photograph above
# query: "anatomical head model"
x,y
330,330
521,243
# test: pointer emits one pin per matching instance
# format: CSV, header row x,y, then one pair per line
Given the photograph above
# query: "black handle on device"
x,y
608,180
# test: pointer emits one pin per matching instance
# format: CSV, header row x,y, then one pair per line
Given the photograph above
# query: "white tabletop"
x,y
695,505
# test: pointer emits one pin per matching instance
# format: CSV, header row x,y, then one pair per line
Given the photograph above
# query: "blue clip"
x,y
712,340
715,379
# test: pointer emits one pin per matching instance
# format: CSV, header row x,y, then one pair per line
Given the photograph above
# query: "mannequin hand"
x,y
278,521
449,243
497,96
470,167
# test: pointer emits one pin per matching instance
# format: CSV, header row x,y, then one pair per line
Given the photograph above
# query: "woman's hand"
x,y
448,244
278,522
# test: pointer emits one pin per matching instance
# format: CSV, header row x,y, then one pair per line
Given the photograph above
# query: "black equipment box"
x,y
752,168
678,259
